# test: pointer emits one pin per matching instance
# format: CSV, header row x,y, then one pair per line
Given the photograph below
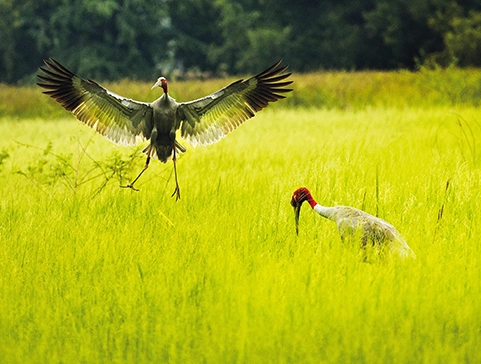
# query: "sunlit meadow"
x,y
92,273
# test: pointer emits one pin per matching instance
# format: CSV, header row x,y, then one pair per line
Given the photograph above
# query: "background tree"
x,y
459,25
140,39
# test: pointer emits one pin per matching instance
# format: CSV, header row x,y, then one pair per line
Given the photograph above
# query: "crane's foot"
x,y
131,186
176,193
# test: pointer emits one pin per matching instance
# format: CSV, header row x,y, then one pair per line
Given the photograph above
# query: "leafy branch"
x,y
49,168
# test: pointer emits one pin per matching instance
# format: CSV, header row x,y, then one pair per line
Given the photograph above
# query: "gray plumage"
x,y
374,235
127,122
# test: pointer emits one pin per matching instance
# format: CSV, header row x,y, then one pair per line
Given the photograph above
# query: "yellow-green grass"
x,y
97,274
330,90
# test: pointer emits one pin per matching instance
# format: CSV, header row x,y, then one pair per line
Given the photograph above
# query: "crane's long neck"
x,y
321,210
303,194
324,211
165,99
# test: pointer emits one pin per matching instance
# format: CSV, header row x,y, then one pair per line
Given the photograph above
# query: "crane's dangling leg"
x,y
131,185
177,188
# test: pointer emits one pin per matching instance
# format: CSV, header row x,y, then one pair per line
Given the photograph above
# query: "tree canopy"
x,y
140,39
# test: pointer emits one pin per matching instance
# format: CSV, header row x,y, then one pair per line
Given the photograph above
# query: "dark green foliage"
x,y
141,39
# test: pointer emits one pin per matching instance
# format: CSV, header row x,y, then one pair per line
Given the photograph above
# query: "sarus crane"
x,y
124,121
376,237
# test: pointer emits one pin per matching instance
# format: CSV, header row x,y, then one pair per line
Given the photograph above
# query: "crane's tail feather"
x,y
151,151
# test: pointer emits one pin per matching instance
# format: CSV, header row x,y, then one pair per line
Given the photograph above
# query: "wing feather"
x,y
121,120
211,118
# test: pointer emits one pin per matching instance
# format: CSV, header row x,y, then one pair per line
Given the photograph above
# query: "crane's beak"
x,y
157,84
297,211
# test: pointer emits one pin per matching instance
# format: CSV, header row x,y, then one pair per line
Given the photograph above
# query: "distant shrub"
x,y
331,90
50,169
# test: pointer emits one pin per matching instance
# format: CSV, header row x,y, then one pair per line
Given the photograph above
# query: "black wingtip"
x,y
273,70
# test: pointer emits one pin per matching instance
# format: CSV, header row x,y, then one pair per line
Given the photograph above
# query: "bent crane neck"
x,y
324,211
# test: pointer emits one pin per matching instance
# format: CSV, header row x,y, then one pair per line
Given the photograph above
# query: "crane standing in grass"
x,y
124,121
374,234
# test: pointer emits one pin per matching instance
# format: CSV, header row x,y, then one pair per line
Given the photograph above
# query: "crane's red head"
x,y
161,82
298,197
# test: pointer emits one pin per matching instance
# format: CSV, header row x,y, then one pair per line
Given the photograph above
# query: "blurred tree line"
x,y
140,39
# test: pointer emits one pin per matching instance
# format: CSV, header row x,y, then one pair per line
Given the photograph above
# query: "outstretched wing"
x,y
119,119
211,118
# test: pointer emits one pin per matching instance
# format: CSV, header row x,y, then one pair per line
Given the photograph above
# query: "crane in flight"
x,y
124,121
373,234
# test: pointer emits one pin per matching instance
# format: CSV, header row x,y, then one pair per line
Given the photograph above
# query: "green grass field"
x,y
92,273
